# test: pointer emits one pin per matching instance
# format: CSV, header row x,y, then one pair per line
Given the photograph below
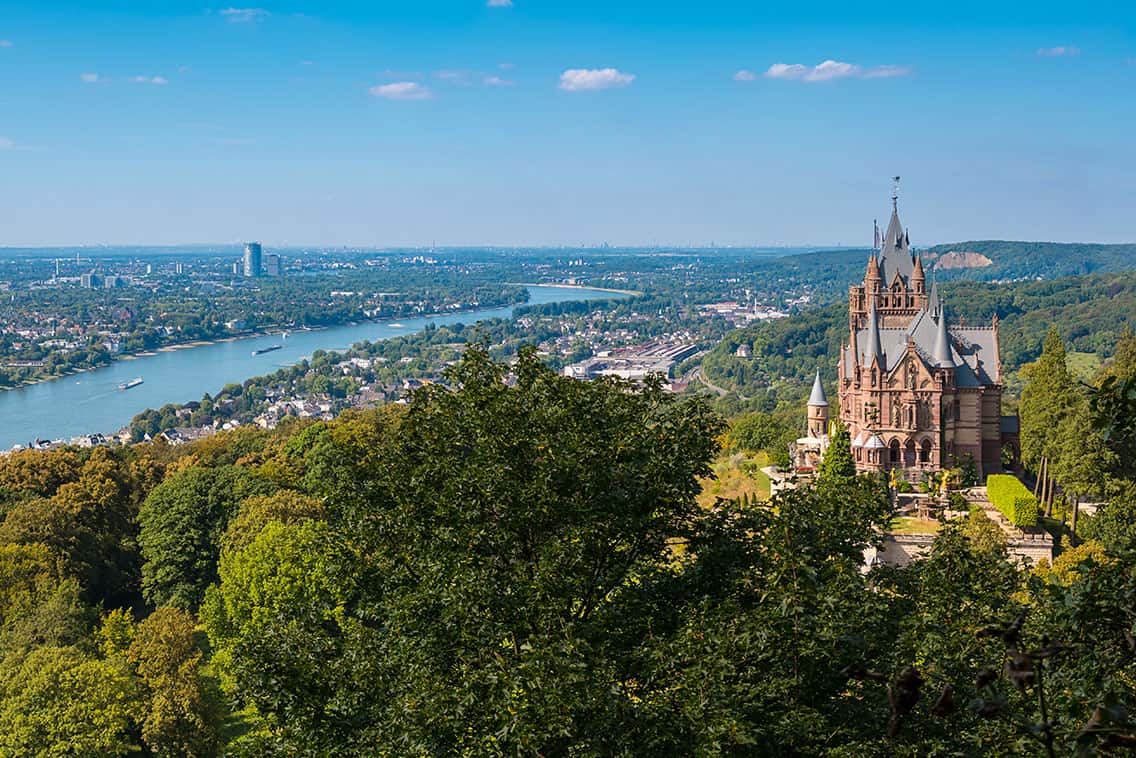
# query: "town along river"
x,y
92,402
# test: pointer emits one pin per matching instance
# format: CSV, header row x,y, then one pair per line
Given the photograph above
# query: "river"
x,y
91,401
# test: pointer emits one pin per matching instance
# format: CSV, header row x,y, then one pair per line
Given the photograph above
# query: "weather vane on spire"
x,y
894,192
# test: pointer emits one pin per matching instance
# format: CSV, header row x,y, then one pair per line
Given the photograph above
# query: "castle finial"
x,y
895,193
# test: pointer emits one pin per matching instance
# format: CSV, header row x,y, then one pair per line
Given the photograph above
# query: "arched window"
x,y
925,452
909,453
894,451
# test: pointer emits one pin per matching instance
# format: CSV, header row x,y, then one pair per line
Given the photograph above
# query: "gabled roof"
x,y
973,351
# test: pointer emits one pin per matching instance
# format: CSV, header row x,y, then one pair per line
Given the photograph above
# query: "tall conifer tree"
x,y
837,466
1046,399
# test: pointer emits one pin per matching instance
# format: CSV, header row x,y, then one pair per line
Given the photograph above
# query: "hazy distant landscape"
x,y
548,379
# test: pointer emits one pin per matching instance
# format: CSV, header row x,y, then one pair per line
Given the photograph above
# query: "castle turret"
x,y
934,304
872,277
942,354
918,278
818,410
874,350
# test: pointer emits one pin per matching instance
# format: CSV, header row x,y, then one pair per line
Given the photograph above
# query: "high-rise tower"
x,y
252,260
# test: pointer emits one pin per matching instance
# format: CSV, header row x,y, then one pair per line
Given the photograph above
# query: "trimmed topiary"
x,y
1011,497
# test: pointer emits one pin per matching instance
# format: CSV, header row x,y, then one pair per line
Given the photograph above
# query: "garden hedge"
x,y
1011,497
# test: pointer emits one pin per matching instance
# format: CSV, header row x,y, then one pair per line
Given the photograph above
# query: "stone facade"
x,y
917,392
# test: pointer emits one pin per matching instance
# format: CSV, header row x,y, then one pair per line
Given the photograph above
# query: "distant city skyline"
x,y
548,122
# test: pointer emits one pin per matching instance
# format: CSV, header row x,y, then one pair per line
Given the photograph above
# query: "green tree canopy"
x,y
837,468
64,702
1045,401
182,521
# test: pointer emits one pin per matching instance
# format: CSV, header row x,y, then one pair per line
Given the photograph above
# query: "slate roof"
x,y
817,398
968,346
895,253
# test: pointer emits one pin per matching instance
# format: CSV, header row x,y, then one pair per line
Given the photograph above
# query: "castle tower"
x,y
918,392
818,410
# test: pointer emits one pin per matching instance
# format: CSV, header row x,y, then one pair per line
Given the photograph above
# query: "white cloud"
x,y
496,81
244,15
506,66
307,63
149,80
500,3
5,43
1057,52
744,75
582,79
402,91
92,78
831,70
9,144
455,76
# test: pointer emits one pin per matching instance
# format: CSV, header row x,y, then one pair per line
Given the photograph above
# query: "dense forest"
x,y
515,564
1035,260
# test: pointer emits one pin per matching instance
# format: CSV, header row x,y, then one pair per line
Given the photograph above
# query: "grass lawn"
x,y
1083,366
736,475
907,525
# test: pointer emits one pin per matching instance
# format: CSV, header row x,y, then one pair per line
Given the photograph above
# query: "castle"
x,y
917,391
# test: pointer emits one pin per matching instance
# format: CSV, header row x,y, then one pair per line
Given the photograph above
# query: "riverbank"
x,y
632,293
62,409
276,330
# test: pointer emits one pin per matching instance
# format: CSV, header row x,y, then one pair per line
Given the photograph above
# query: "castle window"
x,y
893,451
925,452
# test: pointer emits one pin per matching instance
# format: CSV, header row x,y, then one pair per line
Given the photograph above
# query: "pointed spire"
x,y
874,348
817,398
918,272
942,354
934,304
895,255
873,268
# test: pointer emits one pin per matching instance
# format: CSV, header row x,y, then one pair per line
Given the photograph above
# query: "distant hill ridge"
x,y
1010,259
957,259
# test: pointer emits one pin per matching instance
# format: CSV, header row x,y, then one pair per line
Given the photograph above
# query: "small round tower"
x,y
818,410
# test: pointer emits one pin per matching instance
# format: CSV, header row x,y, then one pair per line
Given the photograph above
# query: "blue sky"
x,y
538,122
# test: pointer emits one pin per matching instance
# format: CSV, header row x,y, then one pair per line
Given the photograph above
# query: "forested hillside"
x,y
521,568
1091,312
1033,260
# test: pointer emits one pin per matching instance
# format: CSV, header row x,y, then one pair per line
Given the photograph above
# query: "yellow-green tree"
x,y
181,717
62,701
